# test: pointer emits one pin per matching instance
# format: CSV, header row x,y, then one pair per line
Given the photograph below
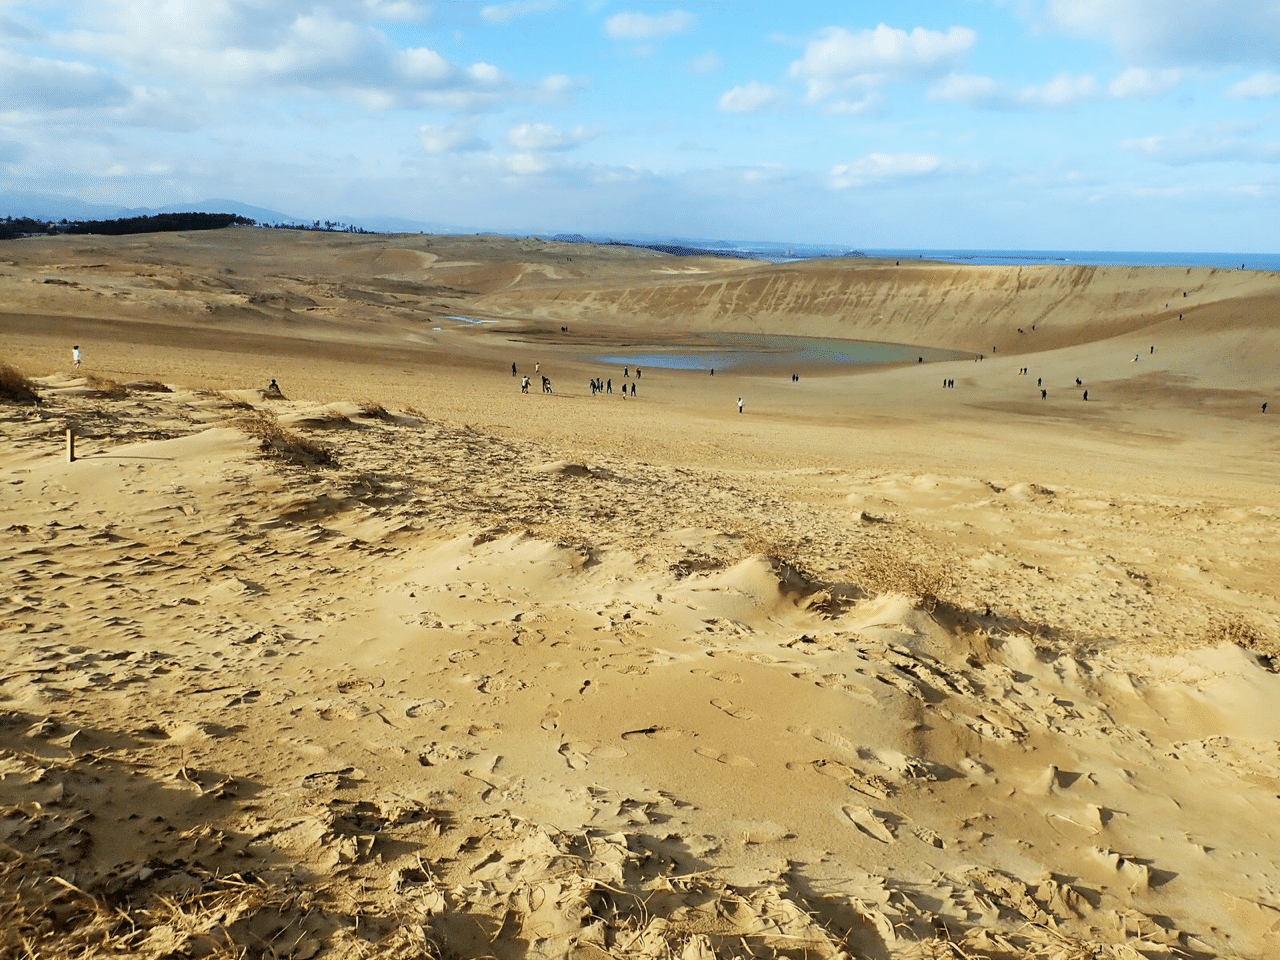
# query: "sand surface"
x,y
403,662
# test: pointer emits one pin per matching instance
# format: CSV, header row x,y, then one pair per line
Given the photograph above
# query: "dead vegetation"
x,y
106,387
276,440
1239,630
926,579
15,386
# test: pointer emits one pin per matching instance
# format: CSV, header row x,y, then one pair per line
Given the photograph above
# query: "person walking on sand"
x,y
524,384
75,355
608,385
513,368
633,389
1086,394
739,404
1264,406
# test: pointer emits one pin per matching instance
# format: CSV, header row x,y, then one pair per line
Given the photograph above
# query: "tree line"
x,y
12,227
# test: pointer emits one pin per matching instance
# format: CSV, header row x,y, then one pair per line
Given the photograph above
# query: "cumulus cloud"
x,y
1141,82
1265,84
325,47
1219,143
454,138
633,25
542,137
749,98
501,13
1173,32
882,168
840,61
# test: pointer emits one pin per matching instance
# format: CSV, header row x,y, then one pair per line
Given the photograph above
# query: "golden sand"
x,y
403,662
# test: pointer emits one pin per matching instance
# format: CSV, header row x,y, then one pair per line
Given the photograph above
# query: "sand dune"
x,y
402,662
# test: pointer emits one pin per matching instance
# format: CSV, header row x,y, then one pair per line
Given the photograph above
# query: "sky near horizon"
x,y
1007,124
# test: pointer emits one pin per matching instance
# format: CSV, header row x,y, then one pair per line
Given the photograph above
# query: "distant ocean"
x,y
1092,258
1095,258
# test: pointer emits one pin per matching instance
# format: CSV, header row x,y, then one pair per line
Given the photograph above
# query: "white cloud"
x,y
631,25
319,47
749,98
1218,143
35,83
501,13
1063,90
840,61
1141,82
708,62
882,168
1174,32
455,138
972,90
542,137
420,64
967,88
1265,84
527,164
402,10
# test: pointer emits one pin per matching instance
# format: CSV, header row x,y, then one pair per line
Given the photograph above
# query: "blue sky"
x,y
1024,124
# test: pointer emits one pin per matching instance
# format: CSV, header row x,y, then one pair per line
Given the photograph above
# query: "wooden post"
x,y
71,445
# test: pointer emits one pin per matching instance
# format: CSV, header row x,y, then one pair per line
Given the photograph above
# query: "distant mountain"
x,y
43,207
216,205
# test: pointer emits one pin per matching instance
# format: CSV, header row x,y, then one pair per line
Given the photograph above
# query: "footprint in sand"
x,y
552,720
423,707
866,820
733,710
573,756
654,733
728,759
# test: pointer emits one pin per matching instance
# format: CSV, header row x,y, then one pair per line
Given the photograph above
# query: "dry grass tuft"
x,y
106,387
1237,629
928,580
278,441
235,403
148,386
15,386
372,410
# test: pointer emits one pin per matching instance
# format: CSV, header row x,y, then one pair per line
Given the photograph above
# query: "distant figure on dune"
x,y
537,367
633,386
1086,394
1044,394
1153,348
1039,381
513,369
739,404
608,385
546,384
1079,382
75,355
1135,359
626,371
524,384
713,371
273,388
633,389
1264,404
